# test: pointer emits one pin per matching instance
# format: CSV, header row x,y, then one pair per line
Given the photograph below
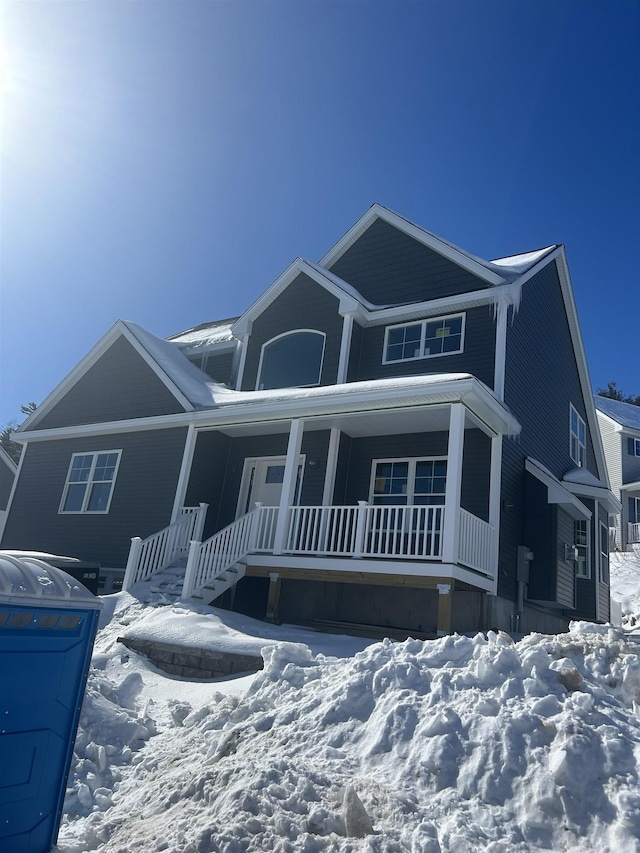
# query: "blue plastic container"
x,y
48,622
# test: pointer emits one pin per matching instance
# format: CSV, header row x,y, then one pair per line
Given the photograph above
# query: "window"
x,y
634,510
634,446
90,481
581,543
418,482
424,339
604,553
292,360
577,441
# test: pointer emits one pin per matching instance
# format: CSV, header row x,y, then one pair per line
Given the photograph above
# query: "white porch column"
x,y
288,484
330,471
345,346
451,533
495,485
185,471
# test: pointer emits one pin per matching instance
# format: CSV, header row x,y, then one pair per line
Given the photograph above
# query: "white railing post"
x,y
191,571
132,563
361,524
201,514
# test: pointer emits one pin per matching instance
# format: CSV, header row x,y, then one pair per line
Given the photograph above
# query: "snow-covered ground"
x,y
455,745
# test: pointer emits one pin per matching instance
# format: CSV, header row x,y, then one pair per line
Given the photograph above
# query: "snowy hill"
x,y
460,744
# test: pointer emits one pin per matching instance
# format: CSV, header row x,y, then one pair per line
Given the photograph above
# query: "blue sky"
x,y
163,162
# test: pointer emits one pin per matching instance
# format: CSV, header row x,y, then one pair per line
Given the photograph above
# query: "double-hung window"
x,y
604,553
424,339
577,440
90,481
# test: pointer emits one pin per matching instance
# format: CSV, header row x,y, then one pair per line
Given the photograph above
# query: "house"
x,y
620,428
8,471
402,436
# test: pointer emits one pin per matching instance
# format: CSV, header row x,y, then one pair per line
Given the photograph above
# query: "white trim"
x,y
246,483
557,492
598,493
345,348
581,460
500,363
455,450
587,522
89,482
347,301
8,461
244,345
330,470
411,461
287,495
12,492
447,250
288,334
495,495
423,325
185,471
375,567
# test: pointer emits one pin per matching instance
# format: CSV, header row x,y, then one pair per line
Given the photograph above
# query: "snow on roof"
x,y
349,289
205,335
583,477
626,414
522,262
192,382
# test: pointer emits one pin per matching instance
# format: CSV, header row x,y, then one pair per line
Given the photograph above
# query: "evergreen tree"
x,y
12,448
614,393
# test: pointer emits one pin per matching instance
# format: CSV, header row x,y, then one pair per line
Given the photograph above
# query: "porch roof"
x,y
406,404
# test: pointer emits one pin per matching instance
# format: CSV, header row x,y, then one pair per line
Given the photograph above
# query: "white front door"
x,y
262,482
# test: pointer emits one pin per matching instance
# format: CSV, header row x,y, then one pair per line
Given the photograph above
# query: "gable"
x,y
119,385
304,304
390,267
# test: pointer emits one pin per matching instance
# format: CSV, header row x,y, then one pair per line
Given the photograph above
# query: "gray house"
x,y
8,470
401,436
620,428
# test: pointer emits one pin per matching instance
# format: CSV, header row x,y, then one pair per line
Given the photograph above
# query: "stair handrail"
x,y
149,556
210,559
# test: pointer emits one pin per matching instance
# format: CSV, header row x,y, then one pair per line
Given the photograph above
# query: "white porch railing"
x,y
633,532
254,531
156,552
387,532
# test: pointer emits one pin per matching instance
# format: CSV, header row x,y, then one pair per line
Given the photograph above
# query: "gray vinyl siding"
x,y
119,386
6,482
353,482
207,476
353,369
477,358
565,569
541,382
304,304
314,447
142,499
388,267
218,366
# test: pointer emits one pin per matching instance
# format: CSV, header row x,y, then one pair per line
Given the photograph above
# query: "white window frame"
x,y
286,335
583,549
636,446
89,482
577,448
603,563
411,476
423,326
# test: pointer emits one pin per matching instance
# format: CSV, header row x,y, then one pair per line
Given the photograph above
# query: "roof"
x,y
626,414
205,335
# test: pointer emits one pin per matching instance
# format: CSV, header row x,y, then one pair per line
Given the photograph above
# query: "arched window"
x,y
292,360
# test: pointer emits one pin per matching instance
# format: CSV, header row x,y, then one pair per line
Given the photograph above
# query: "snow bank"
x,y
460,744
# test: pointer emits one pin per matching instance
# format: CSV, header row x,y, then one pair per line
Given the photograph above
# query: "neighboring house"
x,y
620,429
8,470
402,435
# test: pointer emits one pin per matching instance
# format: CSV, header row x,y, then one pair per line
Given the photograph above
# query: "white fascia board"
x,y
434,307
603,496
581,360
630,487
557,492
182,419
348,304
8,461
447,250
